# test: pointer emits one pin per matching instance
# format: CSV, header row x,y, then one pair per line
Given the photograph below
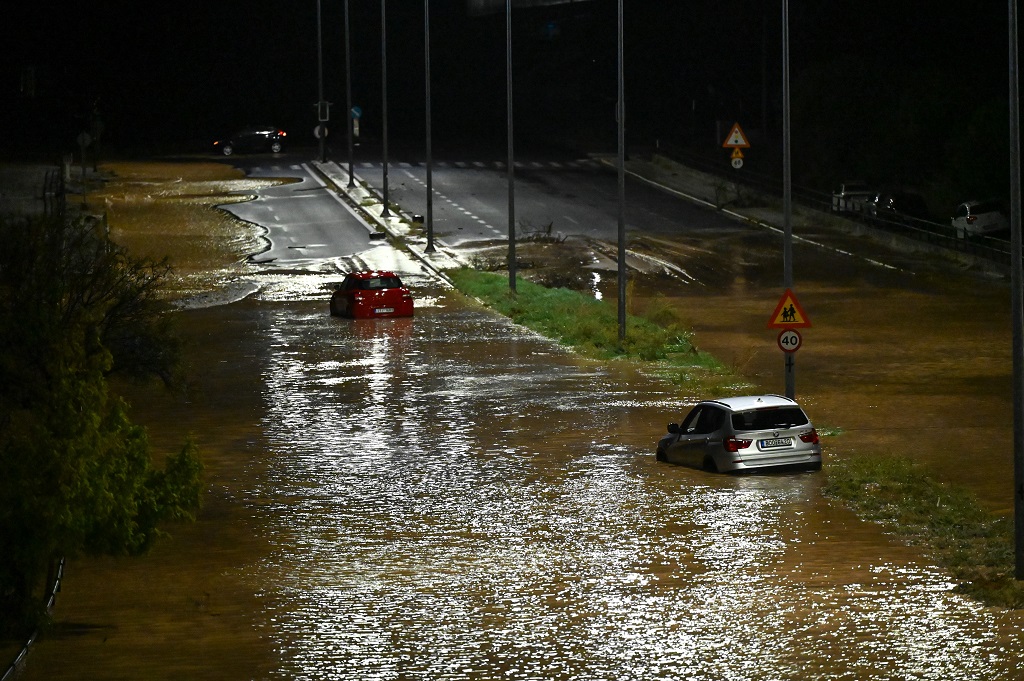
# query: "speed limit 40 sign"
x,y
790,340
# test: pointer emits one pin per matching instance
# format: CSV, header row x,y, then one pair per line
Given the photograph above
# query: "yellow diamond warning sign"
x,y
788,313
736,138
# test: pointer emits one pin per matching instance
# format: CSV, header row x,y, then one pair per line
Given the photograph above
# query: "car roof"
x,y
371,274
984,202
748,402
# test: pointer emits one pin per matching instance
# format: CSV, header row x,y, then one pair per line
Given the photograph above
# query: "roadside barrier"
x,y
51,599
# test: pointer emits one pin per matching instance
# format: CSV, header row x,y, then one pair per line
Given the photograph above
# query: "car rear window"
x,y
380,282
769,419
987,207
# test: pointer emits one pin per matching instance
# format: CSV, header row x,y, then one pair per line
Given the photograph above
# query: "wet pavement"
x,y
452,497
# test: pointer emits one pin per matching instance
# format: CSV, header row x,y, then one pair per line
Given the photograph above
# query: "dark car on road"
x,y
253,139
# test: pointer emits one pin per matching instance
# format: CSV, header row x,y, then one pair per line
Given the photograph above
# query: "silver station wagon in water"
x,y
736,434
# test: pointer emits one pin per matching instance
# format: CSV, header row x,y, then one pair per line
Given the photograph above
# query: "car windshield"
x,y
769,419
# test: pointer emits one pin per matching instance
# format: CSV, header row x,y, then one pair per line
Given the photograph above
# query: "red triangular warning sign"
x,y
736,139
788,313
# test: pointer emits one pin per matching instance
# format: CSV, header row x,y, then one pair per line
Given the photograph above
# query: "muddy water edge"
x,y
241,594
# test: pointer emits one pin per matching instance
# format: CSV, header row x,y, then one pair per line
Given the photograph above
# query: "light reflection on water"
x,y
457,499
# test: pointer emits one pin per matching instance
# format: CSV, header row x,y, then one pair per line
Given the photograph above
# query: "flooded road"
x,y
451,497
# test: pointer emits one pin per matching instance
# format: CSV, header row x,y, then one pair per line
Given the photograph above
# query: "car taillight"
x,y
733,444
810,437
282,133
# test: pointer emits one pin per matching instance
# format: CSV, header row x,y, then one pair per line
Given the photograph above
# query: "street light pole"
x,y
430,159
348,96
321,132
1017,297
620,115
511,158
787,191
384,101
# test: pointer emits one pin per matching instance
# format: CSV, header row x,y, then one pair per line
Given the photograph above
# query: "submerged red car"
x,y
366,295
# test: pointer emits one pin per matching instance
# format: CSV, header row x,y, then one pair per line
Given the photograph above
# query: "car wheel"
x,y
660,456
275,147
227,150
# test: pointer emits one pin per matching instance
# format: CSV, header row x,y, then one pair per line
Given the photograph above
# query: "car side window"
x,y
689,424
703,420
710,420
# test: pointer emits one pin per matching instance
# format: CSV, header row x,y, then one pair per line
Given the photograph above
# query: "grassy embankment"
x,y
975,546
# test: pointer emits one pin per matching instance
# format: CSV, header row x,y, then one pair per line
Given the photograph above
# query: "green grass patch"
x,y
973,544
655,333
589,326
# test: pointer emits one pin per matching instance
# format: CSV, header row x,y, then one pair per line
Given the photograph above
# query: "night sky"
x,y
174,75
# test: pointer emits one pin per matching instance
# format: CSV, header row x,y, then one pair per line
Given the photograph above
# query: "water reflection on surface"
x,y
453,498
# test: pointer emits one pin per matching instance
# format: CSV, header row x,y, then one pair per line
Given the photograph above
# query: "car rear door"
x,y
699,435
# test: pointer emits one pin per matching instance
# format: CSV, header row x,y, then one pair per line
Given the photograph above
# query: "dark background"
x,y
900,93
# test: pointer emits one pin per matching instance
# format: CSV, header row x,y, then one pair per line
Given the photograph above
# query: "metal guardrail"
x,y
51,599
936,233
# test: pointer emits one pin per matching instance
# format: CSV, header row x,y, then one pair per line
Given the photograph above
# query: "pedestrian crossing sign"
x,y
788,313
736,138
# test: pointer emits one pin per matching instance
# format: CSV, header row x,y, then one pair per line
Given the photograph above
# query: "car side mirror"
x,y
673,428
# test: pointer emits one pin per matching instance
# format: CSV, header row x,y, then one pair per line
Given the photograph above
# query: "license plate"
x,y
383,310
778,442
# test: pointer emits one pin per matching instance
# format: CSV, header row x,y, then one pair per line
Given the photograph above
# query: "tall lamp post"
x,y
348,96
320,108
511,159
1017,276
430,159
384,101
787,190
621,117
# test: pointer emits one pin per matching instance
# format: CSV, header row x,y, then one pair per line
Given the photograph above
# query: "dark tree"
x,y
75,472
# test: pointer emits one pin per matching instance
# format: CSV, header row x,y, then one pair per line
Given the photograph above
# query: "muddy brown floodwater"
x,y
451,497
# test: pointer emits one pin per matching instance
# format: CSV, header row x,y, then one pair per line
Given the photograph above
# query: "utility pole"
x,y
1017,298
511,157
386,213
320,107
430,159
621,117
787,191
348,96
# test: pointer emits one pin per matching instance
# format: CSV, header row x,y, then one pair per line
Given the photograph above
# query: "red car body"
x,y
366,295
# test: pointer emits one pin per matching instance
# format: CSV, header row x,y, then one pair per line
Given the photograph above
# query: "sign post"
x,y
789,316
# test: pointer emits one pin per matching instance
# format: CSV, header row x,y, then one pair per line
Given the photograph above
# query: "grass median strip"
x,y
589,326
